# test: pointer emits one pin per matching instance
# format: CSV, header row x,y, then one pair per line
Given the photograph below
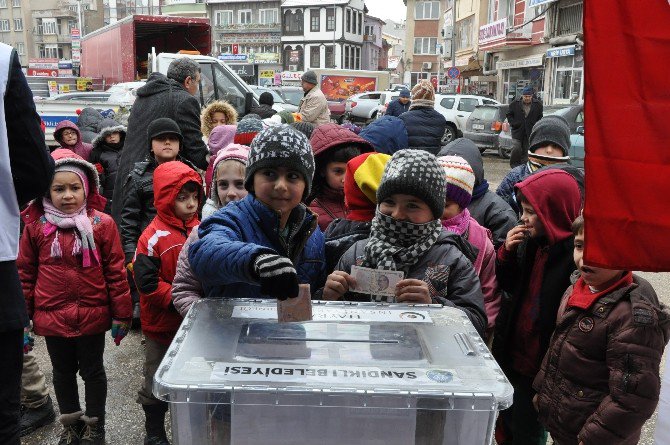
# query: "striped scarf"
x,y
84,243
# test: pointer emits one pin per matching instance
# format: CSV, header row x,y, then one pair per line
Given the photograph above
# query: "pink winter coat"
x,y
186,288
81,148
485,267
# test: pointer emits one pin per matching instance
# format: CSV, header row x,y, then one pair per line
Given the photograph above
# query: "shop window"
x,y
568,83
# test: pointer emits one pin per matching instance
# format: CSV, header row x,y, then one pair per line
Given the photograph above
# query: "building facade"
x,y
15,27
184,8
317,34
424,23
394,35
247,36
373,44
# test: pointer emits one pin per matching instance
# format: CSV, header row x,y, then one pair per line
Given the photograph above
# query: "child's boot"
x,y
71,427
155,424
93,432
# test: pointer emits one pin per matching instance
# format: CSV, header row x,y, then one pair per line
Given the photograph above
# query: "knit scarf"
x,y
422,103
458,224
83,240
536,161
398,245
480,190
583,297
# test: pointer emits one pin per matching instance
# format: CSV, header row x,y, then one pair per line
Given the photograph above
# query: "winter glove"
x,y
277,276
28,341
119,330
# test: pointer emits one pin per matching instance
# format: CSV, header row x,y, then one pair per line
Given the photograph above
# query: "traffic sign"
x,y
454,72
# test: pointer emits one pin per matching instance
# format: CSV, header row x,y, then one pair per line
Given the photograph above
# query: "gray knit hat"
x,y
551,129
281,146
417,173
309,77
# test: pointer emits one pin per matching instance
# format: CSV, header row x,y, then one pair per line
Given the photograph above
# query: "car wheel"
x,y
449,134
504,152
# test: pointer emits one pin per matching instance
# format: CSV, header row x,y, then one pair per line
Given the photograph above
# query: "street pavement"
x,y
125,419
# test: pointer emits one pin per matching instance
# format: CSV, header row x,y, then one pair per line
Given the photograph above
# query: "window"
x,y
293,22
50,52
567,88
3,3
510,12
467,104
314,20
4,25
315,57
425,45
268,16
16,4
72,8
570,19
346,57
244,17
357,62
348,20
464,33
49,26
447,102
427,10
353,25
21,48
71,24
18,24
223,18
330,19
330,60
360,23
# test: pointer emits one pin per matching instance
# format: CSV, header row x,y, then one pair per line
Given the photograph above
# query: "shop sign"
x,y
65,65
63,88
267,74
294,57
533,3
53,87
561,51
243,70
43,64
81,83
291,75
42,72
493,31
233,57
520,63
266,58
249,38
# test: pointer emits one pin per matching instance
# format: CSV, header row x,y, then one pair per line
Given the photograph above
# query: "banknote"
x,y
296,309
376,281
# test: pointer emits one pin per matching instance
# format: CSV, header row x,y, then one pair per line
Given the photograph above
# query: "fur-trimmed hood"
x,y
107,127
218,106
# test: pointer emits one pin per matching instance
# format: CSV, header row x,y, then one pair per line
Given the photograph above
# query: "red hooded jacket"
x,y
63,298
158,248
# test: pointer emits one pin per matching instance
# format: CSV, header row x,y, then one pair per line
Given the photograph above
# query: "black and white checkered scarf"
x,y
398,245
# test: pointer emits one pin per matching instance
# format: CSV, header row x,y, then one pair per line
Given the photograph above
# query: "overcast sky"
x,y
387,9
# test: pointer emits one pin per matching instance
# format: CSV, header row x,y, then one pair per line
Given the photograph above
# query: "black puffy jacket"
x,y
425,128
108,157
340,235
263,110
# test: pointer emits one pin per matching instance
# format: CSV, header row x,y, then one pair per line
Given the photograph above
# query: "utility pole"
x,y
81,28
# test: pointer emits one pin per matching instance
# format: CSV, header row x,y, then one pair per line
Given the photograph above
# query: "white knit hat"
x,y
460,179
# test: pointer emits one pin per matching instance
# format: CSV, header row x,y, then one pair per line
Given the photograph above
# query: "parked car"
x,y
386,98
456,109
362,107
484,125
577,151
397,87
81,96
279,102
291,95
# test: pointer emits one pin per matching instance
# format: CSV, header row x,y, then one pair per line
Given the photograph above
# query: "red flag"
x,y
627,209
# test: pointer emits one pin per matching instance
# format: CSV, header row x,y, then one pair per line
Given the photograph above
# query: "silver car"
x,y
363,107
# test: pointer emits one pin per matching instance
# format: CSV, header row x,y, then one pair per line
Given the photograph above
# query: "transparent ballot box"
x,y
358,373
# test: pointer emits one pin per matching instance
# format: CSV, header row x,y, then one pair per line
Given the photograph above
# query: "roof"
x,y
294,3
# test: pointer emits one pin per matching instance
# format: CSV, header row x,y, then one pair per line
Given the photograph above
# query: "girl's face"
x,y
113,138
335,175
451,209
219,119
69,136
67,192
230,182
406,208
279,188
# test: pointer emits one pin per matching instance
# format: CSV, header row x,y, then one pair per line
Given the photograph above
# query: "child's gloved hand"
x,y
119,330
277,276
28,341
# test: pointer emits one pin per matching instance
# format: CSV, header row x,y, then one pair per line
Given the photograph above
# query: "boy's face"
x,y
279,188
552,150
406,208
218,119
69,136
67,192
451,209
596,277
186,205
230,182
335,175
532,224
165,147
113,138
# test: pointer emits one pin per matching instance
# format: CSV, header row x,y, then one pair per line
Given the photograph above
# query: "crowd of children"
x,y
284,204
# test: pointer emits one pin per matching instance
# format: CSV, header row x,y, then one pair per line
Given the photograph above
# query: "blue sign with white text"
x,y
561,51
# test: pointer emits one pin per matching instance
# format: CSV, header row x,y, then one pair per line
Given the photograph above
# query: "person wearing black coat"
x,y
425,125
173,97
26,171
399,105
522,114
107,156
264,107
489,209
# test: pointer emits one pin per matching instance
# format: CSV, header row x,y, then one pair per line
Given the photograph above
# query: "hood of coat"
x,y
107,127
157,83
387,135
221,137
327,136
219,106
169,178
89,119
235,152
466,149
556,199
66,124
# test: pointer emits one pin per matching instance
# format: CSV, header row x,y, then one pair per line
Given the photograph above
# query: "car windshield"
x,y
485,113
293,96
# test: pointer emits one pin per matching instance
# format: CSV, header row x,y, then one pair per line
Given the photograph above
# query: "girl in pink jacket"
x,y
456,218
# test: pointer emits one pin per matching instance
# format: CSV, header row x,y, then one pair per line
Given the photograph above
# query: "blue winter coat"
x,y
425,128
387,135
232,238
395,108
506,188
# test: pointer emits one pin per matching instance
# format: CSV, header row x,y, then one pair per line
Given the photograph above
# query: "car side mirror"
x,y
580,130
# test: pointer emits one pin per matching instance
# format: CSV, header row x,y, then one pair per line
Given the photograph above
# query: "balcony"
x,y
369,38
54,13
249,27
570,19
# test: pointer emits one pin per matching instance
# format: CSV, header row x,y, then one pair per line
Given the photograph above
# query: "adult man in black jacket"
x,y
26,170
172,97
522,115
400,105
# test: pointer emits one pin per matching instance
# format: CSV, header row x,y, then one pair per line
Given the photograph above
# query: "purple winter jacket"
x,y
186,288
81,148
